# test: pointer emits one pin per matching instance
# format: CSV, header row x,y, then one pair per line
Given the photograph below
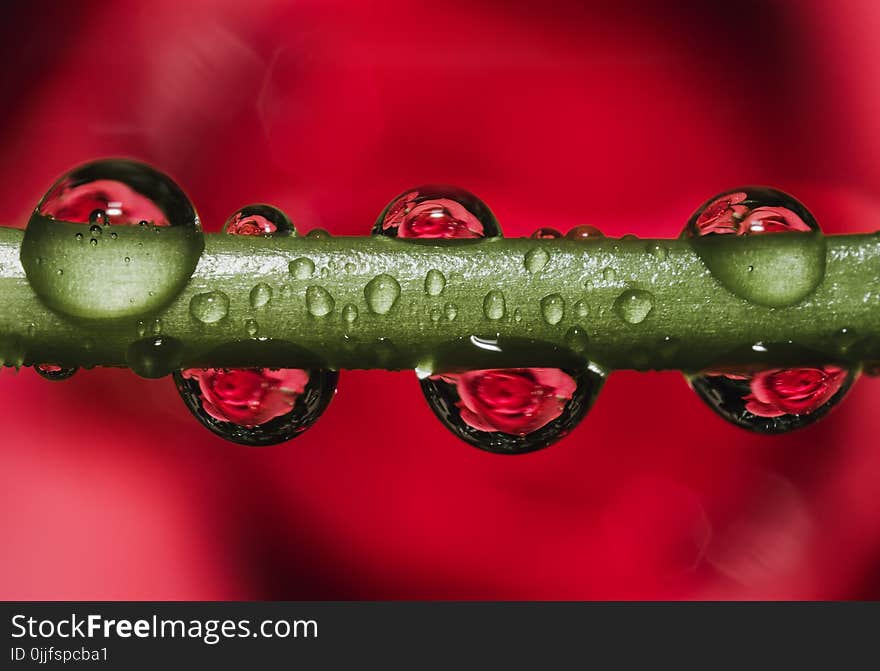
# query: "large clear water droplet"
x,y
553,308
256,406
319,302
382,293
437,211
774,400
778,271
132,271
512,410
55,373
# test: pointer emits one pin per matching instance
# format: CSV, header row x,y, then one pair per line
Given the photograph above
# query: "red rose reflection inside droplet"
x,y
250,224
517,401
793,391
248,396
432,218
773,220
120,203
723,215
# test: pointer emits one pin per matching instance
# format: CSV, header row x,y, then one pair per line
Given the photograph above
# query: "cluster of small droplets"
x,y
500,407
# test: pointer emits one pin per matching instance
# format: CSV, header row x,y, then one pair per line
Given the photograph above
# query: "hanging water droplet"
x,y
350,313
259,219
634,305
302,268
546,234
844,339
437,211
260,295
381,293
252,328
553,308
494,305
576,339
512,410
210,307
154,356
55,373
582,233
774,400
780,270
582,309
535,259
256,406
435,282
451,311
319,302
82,204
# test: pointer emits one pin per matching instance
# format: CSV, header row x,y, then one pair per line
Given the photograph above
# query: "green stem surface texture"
x,y
333,302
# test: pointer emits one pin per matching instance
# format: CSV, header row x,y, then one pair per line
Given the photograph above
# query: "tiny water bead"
x,y
54,372
634,305
435,282
319,302
260,295
584,232
553,308
546,234
256,406
154,356
210,307
782,270
494,305
774,400
511,410
301,268
124,272
259,219
381,294
437,211
536,259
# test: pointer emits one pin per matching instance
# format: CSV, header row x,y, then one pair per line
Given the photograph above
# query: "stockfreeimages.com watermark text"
x,y
209,632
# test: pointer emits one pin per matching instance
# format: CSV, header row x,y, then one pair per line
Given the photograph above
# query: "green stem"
x,y
564,302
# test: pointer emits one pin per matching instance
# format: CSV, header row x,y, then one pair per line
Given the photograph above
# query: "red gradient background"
x,y
625,115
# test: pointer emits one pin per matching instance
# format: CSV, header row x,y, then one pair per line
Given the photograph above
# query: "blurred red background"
x,y
625,115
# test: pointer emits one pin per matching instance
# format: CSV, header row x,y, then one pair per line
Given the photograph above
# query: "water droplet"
x,y
55,373
256,406
778,271
546,234
156,327
844,339
436,314
252,328
576,339
260,295
517,315
774,400
350,313
259,219
493,305
154,356
127,259
582,233
553,308
451,311
634,305
609,274
511,410
302,268
582,309
325,273
59,271
381,293
210,307
319,302
318,234
435,282
437,211
350,268
141,329
82,204
658,251
535,259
